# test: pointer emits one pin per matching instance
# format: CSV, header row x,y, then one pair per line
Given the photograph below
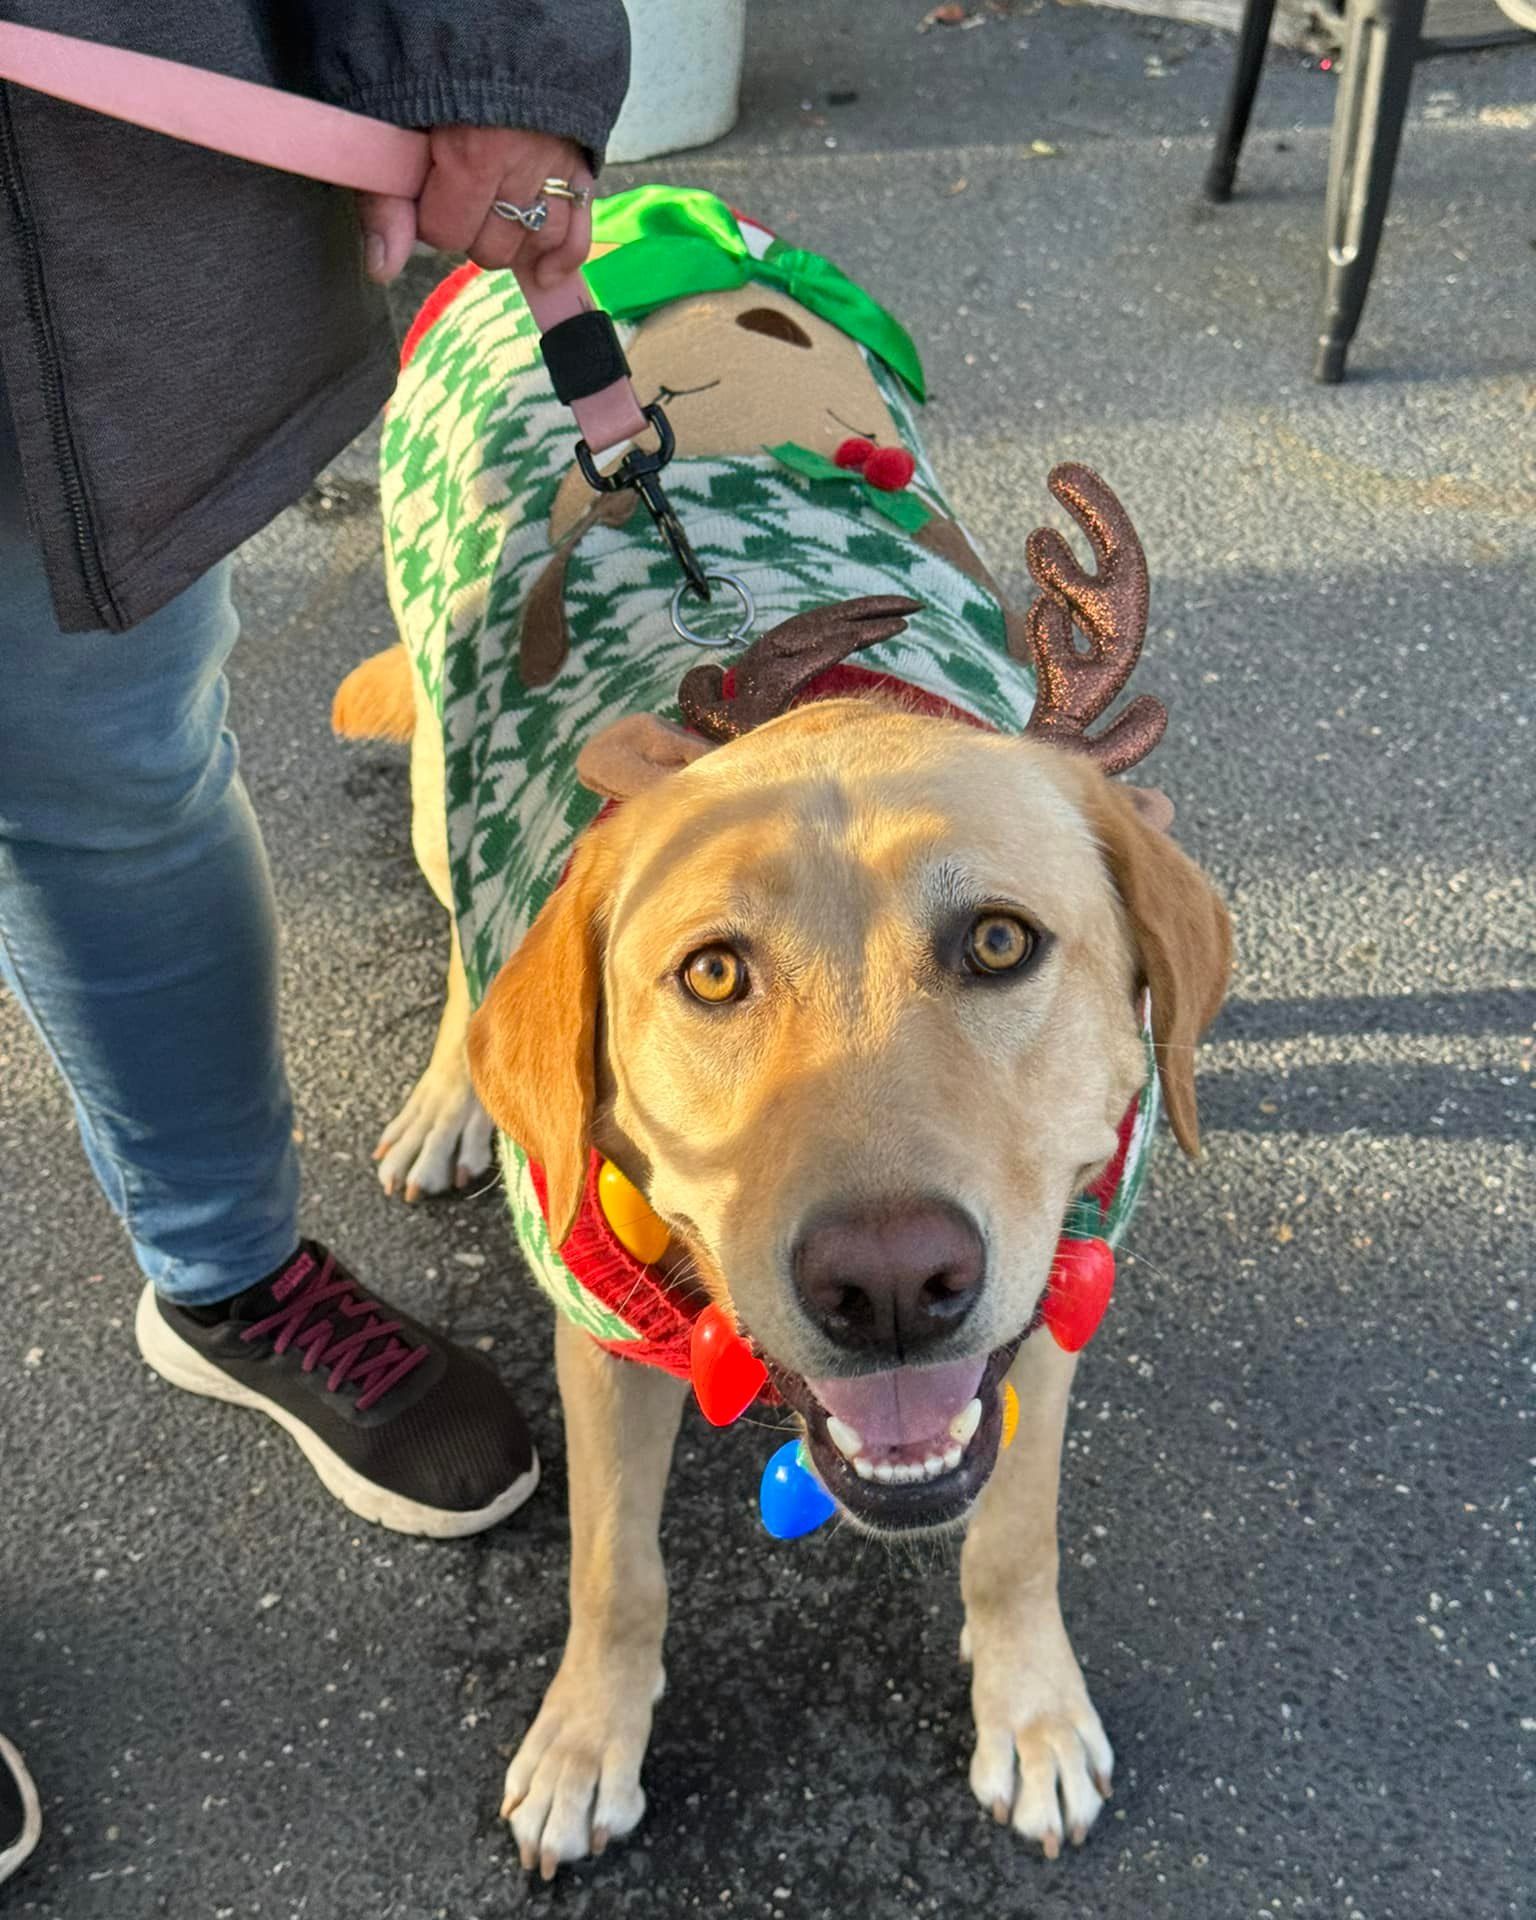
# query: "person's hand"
x,y
470,167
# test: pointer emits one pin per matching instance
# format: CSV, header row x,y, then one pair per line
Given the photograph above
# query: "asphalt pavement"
x,y
1296,1515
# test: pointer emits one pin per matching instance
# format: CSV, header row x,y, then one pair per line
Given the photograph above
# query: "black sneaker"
x,y
21,1818
402,1426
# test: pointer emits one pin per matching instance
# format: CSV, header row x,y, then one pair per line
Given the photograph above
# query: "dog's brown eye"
x,y
997,943
715,975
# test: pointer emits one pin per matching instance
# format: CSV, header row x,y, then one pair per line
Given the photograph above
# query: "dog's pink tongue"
x,y
901,1409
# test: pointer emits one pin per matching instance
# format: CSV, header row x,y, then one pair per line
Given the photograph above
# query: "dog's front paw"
x,y
574,1784
1042,1762
440,1138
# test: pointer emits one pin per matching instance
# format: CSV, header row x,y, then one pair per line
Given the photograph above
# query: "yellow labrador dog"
x,y
848,992
854,1001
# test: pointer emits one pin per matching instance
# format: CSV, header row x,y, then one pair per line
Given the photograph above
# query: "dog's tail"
x,y
375,701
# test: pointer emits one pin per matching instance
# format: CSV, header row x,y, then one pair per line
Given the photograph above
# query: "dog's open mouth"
x,y
909,1448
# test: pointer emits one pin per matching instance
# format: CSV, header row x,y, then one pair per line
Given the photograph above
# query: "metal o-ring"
x,y
739,632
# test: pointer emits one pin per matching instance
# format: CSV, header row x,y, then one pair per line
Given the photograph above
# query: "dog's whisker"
x,y
634,1289
769,1426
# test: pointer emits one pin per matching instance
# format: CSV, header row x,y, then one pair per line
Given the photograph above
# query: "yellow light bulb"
x,y
628,1212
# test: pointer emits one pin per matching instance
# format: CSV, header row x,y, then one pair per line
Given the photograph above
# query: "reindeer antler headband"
x,y
1073,688
781,663
1110,608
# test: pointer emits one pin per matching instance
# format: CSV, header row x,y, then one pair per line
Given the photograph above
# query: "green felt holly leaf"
x,y
802,460
902,509
905,509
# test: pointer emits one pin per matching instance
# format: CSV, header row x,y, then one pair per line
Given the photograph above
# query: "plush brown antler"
x,y
780,664
1110,606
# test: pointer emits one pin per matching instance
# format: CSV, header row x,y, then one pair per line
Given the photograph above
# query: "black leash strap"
x,y
583,356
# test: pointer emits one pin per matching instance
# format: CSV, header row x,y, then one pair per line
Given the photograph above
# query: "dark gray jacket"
x,y
187,339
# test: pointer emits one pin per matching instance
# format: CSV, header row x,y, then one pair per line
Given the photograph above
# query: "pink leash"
x,y
292,134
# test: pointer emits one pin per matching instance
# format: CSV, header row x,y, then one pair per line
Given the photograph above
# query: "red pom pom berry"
x,y
889,468
853,453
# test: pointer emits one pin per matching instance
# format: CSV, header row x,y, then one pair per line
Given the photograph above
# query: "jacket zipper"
x,y
36,297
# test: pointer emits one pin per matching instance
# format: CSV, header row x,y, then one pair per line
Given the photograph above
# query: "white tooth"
x,y
962,1429
885,1472
933,1466
848,1440
864,1468
952,1458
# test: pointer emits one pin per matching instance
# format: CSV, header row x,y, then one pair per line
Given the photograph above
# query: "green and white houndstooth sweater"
x,y
475,445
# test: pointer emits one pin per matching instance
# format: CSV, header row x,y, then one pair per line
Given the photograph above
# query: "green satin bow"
x,y
672,242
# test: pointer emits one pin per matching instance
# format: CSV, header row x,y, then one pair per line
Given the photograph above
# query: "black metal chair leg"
x,y
1252,39
1367,130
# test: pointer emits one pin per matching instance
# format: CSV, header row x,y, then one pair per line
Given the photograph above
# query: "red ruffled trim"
x,y
603,1266
846,682
1104,1188
436,304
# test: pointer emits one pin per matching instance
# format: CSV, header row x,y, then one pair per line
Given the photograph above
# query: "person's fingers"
x,y
564,255
559,262
550,236
464,179
519,190
501,242
472,167
389,233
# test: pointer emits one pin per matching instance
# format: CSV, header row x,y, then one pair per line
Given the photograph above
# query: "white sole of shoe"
x,y
178,1362
31,1812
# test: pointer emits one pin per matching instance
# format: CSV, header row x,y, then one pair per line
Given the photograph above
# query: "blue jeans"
x,y
137,924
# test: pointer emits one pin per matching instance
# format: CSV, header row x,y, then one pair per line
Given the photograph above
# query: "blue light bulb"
x,y
791,1499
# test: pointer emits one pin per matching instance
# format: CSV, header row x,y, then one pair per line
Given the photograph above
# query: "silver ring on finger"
x,y
558,189
531,219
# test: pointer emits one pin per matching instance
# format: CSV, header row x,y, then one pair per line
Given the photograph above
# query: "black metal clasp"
x,y
641,469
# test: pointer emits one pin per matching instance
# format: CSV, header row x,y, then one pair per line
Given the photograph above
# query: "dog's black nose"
x,y
890,1279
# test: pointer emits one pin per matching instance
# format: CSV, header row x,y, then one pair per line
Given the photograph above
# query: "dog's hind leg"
x,y
574,1784
442,1136
1042,1762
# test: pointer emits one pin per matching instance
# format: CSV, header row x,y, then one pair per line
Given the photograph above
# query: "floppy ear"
x,y
1183,938
1153,805
533,1040
634,753
544,639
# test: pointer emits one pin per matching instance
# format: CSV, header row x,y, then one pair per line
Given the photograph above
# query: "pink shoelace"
x,y
367,1353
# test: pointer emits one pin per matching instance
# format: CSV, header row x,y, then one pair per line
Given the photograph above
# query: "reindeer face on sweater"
x,y
741,370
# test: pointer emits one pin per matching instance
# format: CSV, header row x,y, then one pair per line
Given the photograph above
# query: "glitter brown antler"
x,y
1110,607
780,664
